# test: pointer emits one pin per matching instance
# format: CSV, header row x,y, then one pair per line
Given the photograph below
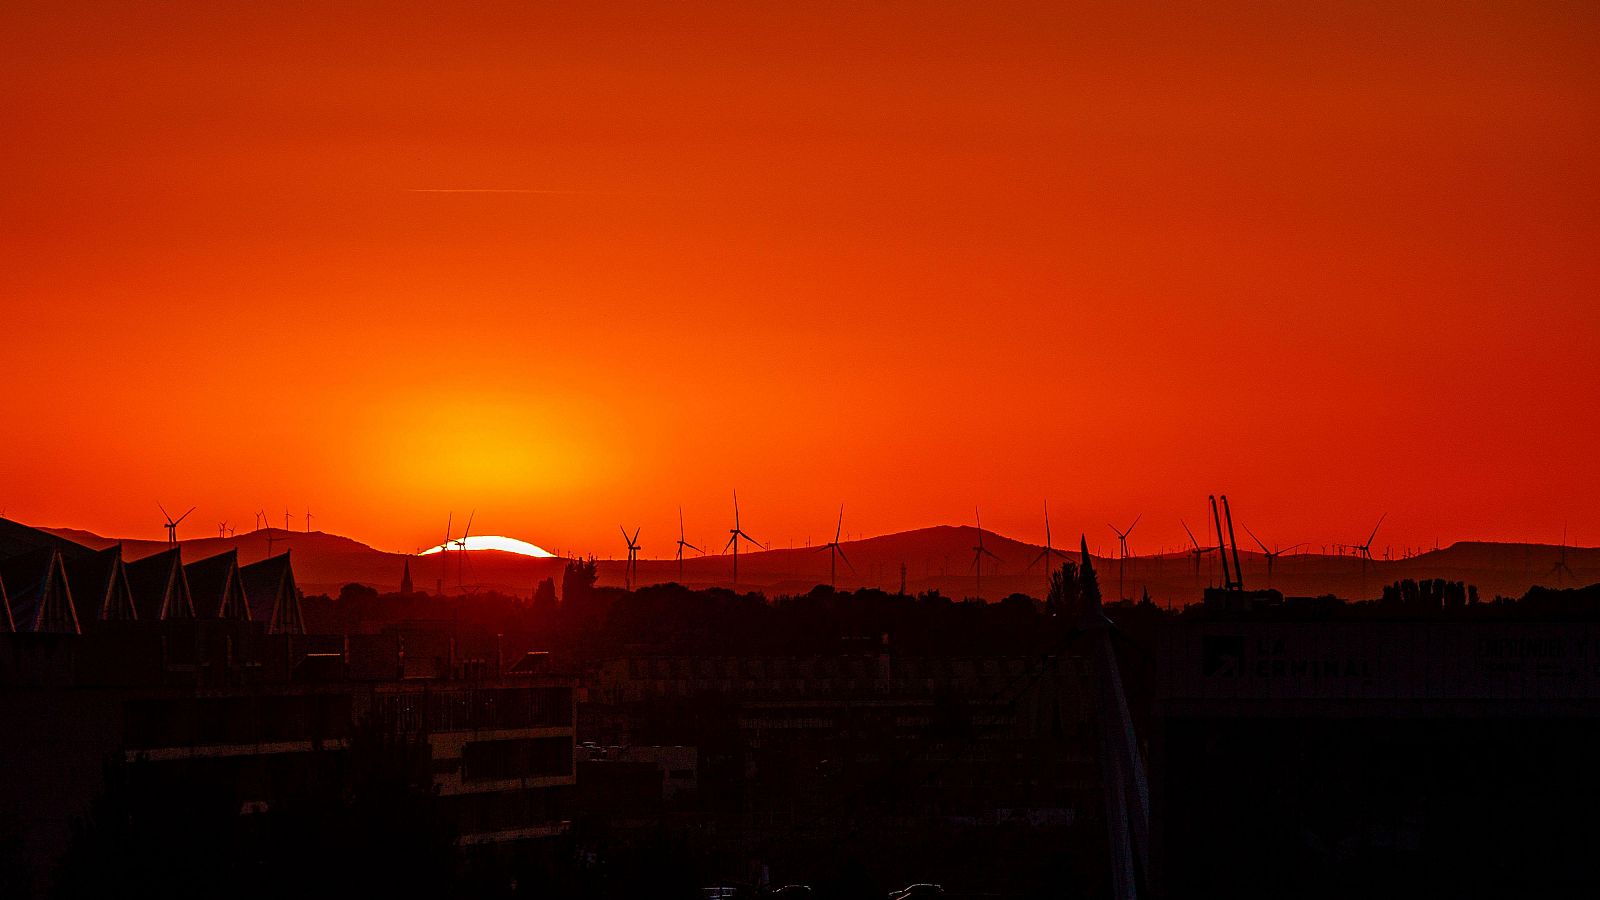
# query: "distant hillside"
x,y
935,558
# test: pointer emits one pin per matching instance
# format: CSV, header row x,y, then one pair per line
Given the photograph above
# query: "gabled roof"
x,y
7,623
99,584
17,539
274,597
160,590
215,587
41,600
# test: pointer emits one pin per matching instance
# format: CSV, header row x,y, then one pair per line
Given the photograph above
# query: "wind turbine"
x,y
261,518
835,550
309,517
172,525
286,518
682,543
270,540
461,554
444,551
1048,552
1271,555
1364,551
632,568
1195,550
1560,570
734,534
979,552
1122,551
222,528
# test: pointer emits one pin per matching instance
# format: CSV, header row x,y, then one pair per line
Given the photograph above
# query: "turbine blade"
x,y
1375,528
1256,539
1135,524
184,516
164,514
1190,533
846,560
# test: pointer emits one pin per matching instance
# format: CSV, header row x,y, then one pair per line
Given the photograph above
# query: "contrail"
x,y
488,191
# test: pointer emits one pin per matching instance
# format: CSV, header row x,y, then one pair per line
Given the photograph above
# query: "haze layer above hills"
x,y
936,558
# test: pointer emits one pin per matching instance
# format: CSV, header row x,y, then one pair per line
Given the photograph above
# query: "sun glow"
x,y
493,542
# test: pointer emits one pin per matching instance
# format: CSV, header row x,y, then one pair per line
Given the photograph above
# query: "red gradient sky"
x,y
1334,260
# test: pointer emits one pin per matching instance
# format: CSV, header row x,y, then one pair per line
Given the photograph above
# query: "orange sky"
x,y
1333,260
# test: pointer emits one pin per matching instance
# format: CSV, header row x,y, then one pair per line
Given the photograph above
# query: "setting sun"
x,y
493,542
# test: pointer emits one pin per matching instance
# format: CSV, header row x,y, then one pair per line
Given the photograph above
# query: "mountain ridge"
x,y
935,557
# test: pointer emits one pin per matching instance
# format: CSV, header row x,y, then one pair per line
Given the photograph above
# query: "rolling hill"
x,y
935,558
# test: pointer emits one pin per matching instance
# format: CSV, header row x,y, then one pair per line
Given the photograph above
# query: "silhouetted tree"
x,y
544,597
357,593
1066,595
1428,595
577,580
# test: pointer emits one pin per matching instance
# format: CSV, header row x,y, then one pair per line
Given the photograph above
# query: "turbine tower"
x,y
1560,570
1122,552
632,568
1047,553
1364,551
444,551
836,552
1272,554
461,554
309,517
979,552
734,535
1195,550
172,524
682,543
270,540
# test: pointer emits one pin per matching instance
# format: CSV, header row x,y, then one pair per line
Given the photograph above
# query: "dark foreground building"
x,y
193,687
249,721
1348,753
1426,745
